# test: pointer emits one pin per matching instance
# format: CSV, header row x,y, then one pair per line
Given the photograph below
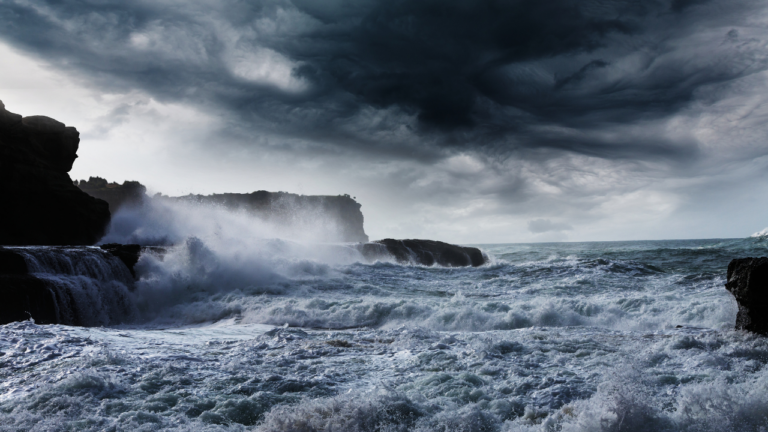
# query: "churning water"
x,y
276,335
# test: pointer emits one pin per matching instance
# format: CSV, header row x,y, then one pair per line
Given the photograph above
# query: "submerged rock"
x,y
424,252
748,282
41,205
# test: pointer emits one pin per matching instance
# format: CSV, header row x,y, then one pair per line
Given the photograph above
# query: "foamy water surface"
x,y
285,335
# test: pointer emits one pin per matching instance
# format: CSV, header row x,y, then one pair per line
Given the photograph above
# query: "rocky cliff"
x,y
116,195
339,215
748,282
40,204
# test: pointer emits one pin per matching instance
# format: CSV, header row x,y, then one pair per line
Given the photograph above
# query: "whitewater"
x,y
232,327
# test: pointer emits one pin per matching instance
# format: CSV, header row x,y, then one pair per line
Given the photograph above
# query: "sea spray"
x,y
239,332
161,221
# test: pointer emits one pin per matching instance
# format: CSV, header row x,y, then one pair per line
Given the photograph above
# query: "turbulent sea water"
x,y
273,335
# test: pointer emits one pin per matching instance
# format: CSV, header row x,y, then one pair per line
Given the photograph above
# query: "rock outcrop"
x,y
424,252
748,282
329,218
72,285
129,254
24,296
339,216
130,193
40,204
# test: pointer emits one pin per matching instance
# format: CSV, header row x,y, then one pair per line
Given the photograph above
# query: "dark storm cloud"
x,y
411,78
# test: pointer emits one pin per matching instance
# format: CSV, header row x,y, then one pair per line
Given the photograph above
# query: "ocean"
x,y
276,335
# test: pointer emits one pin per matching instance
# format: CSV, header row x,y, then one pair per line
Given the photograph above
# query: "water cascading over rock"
x,y
84,286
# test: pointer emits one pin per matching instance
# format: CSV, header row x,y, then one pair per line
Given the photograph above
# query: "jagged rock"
x,y
425,252
338,218
130,193
129,254
40,204
748,282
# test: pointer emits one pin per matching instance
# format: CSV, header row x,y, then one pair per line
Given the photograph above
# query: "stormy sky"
x,y
476,121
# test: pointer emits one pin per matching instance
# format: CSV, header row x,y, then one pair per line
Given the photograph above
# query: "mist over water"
x,y
168,221
238,324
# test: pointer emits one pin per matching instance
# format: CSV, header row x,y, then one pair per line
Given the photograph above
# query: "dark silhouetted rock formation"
x,y
339,215
23,295
129,254
12,263
130,193
40,204
333,218
424,252
67,285
748,282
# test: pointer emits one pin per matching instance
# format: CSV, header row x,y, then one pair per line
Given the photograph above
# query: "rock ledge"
x,y
748,282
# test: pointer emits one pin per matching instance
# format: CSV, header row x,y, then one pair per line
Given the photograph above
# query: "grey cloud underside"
x,y
481,75
545,225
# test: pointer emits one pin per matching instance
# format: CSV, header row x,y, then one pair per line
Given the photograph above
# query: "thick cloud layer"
x,y
542,109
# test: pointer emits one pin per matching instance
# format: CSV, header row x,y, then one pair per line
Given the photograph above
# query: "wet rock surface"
x,y
129,254
66,285
41,205
425,252
748,282
12,263
23,295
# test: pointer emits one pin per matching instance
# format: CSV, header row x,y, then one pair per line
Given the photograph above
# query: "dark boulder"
x,y
129,254
12,263
748,282
23,296
41,205
425,252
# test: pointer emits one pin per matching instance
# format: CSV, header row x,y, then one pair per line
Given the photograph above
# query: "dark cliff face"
x,y
24,296
748,282
40,204
341,214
